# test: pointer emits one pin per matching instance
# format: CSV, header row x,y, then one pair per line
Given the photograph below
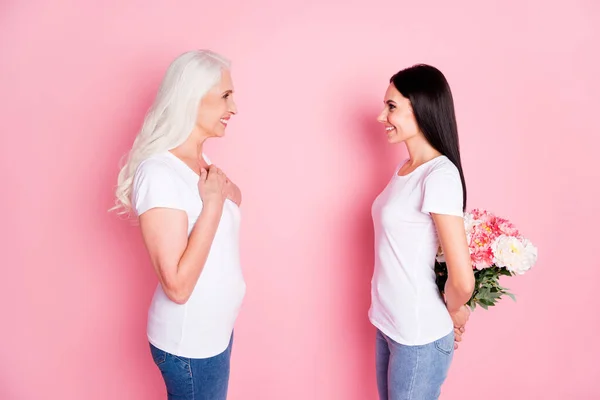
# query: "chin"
x,y
395,139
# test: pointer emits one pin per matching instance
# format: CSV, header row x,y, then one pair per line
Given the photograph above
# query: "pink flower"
x,y
483,230
483,216
480,241
483,258
482,236
506,227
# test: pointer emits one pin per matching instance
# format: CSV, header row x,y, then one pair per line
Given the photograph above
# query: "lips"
x,y
224,121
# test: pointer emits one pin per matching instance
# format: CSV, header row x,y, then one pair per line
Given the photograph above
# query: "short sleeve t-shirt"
x,y
406,304
201,327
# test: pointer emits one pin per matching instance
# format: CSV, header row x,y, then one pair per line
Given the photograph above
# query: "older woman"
x,y
189,218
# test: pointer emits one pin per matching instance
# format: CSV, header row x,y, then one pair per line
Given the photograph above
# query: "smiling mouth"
x,y
388,129
224,121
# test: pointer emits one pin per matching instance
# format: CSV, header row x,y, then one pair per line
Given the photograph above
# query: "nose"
x,y
382,117
233,108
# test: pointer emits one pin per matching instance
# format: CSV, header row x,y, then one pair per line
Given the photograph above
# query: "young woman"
x,y
189,219
420,209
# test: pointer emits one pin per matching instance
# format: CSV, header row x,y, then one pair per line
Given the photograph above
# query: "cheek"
x,y
411,126
208,117
397,120
407,124
202,119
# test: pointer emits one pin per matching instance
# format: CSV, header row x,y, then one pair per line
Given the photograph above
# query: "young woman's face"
x,y
397,116
216,107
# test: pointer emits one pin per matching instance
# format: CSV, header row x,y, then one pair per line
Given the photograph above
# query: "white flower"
x,y
517,255
470,224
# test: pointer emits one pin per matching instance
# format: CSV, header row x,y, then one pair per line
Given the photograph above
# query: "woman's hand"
x,y
461,316
212,186
458,332
460,319
233,192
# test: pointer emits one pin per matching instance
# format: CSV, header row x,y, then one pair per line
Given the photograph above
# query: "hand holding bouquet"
x,y
497,248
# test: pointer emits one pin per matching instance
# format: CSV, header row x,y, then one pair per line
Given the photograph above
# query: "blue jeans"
x,y
412,372
193,378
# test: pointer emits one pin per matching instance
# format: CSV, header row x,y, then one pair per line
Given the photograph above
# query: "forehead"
x,y
225,83
393,94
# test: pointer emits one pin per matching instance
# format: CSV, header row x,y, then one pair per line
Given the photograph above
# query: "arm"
x,y
177,259
443,200
233,192
178,262
461,280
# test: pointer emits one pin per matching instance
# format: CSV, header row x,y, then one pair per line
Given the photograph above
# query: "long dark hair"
x,y
431,99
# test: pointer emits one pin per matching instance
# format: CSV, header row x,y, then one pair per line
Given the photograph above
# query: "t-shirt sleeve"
x,y
154,185
442,193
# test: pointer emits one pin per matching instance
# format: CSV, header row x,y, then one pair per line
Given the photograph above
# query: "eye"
x,y
391,107
226,95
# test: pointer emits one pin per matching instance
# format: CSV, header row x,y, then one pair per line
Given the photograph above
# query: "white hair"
x,y
171,118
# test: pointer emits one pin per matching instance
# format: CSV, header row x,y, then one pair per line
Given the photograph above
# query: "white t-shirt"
x,y
202,327
406,304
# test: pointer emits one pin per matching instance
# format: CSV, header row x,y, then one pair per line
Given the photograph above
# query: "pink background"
x,y
310,158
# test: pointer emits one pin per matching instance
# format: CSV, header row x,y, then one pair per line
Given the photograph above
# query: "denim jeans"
x,y
412,372
193,378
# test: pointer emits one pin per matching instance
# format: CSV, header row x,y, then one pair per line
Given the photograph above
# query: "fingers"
x,y
200,164
215,172
203,174
457,338
458,332
217,176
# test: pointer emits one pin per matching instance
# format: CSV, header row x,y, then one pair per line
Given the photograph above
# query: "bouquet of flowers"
x,y
497,248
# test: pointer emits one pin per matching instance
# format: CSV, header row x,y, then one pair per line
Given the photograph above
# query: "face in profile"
x,y
216,108
398,117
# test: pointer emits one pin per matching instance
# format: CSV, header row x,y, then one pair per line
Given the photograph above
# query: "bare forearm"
x,y
458,291
196,253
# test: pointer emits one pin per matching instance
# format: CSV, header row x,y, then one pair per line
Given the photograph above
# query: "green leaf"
x,y
487,302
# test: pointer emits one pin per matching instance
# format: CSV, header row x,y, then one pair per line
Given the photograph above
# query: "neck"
x,y
191,149
420,151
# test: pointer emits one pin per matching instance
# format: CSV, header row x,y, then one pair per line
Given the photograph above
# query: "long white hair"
x,y
171,118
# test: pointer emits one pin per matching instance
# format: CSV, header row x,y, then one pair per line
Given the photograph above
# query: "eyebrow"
x,y
227,91
389,102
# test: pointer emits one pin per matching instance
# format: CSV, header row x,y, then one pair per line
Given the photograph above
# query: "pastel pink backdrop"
x,y
77,79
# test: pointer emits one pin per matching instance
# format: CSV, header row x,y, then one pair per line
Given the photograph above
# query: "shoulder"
x,y
156,184
155,170
441,168
442,188
155,165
